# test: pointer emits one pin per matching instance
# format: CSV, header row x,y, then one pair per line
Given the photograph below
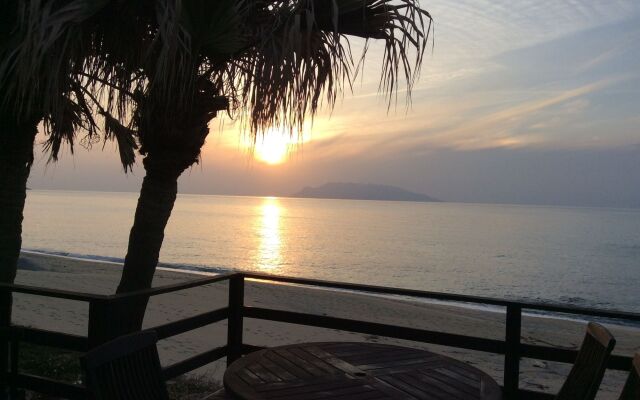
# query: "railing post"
x,y
512,351
5,364
15,355
6,296
11,339
235,324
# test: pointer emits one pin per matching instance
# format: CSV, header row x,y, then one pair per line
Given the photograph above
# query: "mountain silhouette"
x,y
359,191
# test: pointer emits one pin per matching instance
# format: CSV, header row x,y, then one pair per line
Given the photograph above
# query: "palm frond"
x,y
43,50
402,25
301,57
176,65
216,28
62,126
123,38
125,138
67,62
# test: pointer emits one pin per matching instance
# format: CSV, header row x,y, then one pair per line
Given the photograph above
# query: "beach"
x,y
102,277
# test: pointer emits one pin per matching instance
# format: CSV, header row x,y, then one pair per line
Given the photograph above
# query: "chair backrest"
x,y
631,389
587,371
127,368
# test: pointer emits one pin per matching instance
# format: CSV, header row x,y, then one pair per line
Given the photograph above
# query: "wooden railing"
x,y
101,314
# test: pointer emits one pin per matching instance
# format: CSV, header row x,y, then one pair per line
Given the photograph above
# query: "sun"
x,y
277,144
273,148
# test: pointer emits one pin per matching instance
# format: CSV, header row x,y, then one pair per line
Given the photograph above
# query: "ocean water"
x,y
580,256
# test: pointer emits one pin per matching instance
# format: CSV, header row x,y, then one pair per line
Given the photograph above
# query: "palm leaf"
x,y
42,51
66,61
125,138
301,56
215,27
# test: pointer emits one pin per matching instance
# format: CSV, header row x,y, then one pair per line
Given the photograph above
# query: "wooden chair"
x,y
631,389
127,368
588,370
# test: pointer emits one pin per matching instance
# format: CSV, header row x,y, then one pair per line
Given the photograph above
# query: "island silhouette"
x,y
360,191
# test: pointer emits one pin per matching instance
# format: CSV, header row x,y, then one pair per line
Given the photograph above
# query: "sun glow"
x,y
273,149
276,145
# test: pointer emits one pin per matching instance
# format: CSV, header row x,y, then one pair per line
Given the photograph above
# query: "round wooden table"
x,y
355,371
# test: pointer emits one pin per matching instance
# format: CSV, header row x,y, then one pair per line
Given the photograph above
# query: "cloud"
x,y
523,124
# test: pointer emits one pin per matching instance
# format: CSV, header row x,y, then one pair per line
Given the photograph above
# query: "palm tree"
x,y
35,86
272,61
47,51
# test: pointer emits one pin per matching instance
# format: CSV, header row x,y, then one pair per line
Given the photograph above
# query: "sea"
x,y
588,257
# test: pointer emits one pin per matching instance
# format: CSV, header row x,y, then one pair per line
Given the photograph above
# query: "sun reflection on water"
x,y
269,257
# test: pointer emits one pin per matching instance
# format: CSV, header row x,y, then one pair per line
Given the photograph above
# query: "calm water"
x,y
581,256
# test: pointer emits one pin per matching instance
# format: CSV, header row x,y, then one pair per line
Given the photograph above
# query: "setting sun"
x,y
276,145
272,149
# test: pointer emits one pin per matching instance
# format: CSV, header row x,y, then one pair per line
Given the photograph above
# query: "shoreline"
x,y
120,261
203,271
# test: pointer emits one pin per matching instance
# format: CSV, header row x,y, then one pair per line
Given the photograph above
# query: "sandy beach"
x,y
101,277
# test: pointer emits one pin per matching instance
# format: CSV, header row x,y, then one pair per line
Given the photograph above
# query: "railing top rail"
x,y
56,293
558,308
88,297
594,312
154,291
549,307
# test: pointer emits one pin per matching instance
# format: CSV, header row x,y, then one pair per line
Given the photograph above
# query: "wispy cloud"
x,y
532,121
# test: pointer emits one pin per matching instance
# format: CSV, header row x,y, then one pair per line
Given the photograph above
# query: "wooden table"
x,y
355,371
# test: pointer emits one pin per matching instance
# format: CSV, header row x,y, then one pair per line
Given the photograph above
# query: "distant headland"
x,y
359,191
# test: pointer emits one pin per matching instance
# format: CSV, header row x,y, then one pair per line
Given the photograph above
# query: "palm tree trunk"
x,y
171,146
157,197
16,157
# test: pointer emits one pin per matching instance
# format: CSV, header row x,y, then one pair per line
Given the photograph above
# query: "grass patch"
x,y
191,387
64,365
53,363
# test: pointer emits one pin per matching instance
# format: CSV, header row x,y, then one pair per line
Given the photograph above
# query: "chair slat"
x,y
587,372
631,389
127,368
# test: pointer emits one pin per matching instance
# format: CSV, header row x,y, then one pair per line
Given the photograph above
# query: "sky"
x,y
528,102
